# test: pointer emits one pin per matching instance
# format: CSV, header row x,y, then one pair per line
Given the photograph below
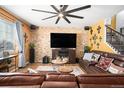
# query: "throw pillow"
x,y
95,57
104,63
88,56
115,69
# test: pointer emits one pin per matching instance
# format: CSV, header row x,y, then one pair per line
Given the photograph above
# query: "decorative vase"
x,y
32,55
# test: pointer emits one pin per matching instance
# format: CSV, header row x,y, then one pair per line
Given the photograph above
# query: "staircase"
x,y
115,39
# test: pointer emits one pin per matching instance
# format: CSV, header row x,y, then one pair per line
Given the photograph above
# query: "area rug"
x,y
76,69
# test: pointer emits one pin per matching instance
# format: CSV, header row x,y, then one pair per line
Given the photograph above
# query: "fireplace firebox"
x,y
64,52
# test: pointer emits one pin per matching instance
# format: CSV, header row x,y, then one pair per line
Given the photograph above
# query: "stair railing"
x,y
115,38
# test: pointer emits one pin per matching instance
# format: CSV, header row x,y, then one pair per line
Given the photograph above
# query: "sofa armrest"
x,y
21,79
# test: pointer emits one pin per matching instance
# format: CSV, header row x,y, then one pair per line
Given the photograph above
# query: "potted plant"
x,y
32,45
32,52
87,49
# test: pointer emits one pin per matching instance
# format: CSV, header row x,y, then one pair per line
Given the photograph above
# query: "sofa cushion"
x,y
56,84
88,56
104,63
61,77
118,63
91,69
95,57
115,69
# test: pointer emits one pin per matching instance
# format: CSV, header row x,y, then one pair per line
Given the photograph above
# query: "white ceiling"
x,y
91,15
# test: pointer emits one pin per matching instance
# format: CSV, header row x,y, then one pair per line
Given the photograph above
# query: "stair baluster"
x,y
115,39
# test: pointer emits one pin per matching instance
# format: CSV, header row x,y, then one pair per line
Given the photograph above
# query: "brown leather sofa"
x,y
57,80
92,69
101,81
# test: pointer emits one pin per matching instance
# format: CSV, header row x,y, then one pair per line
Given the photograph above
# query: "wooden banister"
x,y
114,30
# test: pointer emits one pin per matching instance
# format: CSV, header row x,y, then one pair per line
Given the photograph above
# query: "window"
x,y
6,36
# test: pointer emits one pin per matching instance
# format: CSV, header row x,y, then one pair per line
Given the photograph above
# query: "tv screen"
x,y
63,40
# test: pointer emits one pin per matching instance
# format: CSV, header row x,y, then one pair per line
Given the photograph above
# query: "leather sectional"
x,y
57,80
92,69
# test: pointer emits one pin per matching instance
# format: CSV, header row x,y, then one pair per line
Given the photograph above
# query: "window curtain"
x,y
20,42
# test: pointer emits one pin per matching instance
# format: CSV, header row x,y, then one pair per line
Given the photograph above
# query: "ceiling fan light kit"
x,y
62,13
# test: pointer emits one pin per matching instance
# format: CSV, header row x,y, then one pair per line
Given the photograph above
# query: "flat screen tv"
x,y
63,40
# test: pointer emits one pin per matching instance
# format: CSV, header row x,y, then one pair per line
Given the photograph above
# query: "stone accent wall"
x,y
41,38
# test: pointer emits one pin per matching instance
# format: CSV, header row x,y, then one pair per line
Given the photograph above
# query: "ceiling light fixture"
x,y
62,12
60,15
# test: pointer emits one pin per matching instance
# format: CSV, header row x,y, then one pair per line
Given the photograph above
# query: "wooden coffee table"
x,y
65,69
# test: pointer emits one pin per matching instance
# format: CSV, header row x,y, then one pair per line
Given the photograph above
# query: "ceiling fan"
x,y
62,13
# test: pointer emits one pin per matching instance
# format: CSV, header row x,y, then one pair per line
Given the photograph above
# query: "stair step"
x,y
118,48
117,44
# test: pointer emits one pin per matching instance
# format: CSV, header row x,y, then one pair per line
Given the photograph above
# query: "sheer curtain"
x,y
9,32
20,42
6,37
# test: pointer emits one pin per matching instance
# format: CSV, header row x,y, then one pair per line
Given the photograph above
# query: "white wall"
x,y
120,20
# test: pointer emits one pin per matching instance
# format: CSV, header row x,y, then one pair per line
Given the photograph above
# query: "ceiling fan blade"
x,y
78,9
49,17
44,11
54,8
66,19
57,20
65,7
75,16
